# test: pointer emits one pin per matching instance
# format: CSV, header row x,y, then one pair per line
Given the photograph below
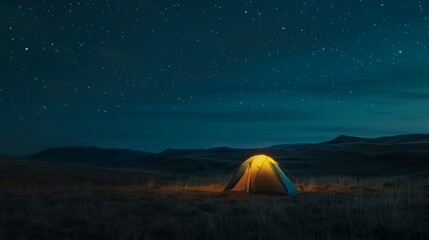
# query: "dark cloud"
x,y
378,112
225,116
412,95
355,131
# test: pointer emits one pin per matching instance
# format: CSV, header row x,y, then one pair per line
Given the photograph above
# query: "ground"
x,y
41,200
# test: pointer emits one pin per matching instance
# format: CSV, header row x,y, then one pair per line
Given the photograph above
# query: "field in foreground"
x,y
56,201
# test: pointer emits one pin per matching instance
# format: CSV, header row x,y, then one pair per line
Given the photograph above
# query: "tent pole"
x,y
285,170
248,183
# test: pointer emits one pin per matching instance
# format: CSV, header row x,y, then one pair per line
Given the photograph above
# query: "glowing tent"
x,y
260,173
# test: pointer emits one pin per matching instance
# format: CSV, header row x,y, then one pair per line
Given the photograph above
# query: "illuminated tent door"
x,y
260,173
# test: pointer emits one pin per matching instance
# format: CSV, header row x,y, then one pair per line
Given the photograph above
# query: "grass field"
x,y
56,201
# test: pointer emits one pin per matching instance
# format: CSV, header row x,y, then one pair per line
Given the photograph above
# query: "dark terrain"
x,y
350,188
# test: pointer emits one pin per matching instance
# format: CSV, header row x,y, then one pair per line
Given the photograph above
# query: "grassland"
x,y
57,201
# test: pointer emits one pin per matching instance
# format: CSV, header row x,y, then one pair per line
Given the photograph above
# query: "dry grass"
x,y
41,204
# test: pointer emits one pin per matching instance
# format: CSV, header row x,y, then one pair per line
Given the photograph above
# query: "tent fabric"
x,y
260,173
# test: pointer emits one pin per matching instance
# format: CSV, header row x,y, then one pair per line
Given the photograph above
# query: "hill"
x,y
344,155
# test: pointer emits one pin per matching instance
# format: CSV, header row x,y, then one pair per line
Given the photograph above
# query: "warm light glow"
x,y
259,159
260,173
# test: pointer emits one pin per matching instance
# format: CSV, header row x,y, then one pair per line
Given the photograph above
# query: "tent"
x,y
260,173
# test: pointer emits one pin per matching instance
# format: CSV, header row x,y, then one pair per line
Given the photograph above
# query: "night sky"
x,y
153,74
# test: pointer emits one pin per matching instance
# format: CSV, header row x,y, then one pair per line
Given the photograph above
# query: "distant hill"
x,y
345,139
409,138
286,146
403,154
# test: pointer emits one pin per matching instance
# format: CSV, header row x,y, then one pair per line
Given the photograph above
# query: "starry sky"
x,y
153,74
